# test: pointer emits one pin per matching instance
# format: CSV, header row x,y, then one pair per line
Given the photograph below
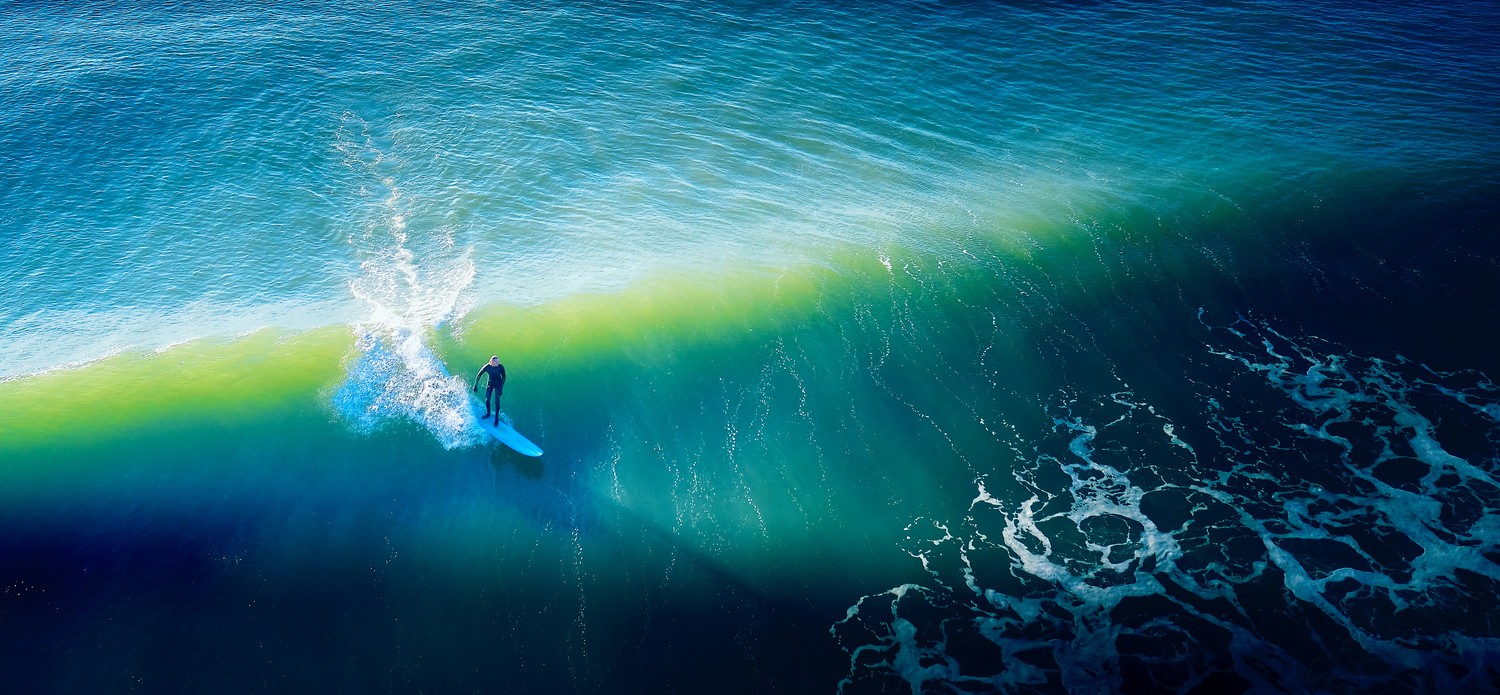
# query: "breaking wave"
x,y
413,279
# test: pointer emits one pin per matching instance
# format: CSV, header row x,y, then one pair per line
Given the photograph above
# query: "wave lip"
x,y
396,376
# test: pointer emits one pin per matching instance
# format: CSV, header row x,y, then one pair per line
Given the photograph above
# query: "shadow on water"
x,y
530,467
781,640
579,508
698,607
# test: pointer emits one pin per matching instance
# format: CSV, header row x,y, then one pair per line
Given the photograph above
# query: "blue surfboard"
x,y
503,431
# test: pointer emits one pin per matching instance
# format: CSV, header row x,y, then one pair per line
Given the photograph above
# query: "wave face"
x,y
907,347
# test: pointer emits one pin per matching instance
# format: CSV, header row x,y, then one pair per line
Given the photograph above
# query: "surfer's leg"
x,y
496,392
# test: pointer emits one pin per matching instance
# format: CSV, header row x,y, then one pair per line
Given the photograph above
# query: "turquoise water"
x,y
906,347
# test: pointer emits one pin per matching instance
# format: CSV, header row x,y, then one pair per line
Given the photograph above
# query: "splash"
x,y
413,279
1313,532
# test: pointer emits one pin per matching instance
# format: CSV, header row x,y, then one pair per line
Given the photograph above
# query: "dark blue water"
x,y
905,347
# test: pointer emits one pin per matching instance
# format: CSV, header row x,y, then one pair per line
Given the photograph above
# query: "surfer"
x,y
496,385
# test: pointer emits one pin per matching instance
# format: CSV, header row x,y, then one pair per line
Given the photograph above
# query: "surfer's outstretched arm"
x,y
475,388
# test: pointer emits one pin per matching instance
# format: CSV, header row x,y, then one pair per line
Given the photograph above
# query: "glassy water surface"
x,y
906,347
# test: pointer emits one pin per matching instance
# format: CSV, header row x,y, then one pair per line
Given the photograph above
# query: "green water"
x,y
1024,348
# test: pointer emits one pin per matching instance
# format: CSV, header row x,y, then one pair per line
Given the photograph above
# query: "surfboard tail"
x,y
500,428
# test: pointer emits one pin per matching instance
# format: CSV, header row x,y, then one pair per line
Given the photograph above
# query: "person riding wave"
x,y
496,385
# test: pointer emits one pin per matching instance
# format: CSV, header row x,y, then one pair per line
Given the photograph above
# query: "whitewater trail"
x,y
413,279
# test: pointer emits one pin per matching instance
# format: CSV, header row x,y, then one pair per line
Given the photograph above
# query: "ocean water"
x,y
894,347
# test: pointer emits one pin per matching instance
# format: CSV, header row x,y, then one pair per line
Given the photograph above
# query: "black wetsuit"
x,y
497,384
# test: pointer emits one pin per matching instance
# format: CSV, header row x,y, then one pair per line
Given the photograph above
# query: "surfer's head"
x,y
494,359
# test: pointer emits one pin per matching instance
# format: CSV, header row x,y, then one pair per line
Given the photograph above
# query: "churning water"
x,y
898,347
